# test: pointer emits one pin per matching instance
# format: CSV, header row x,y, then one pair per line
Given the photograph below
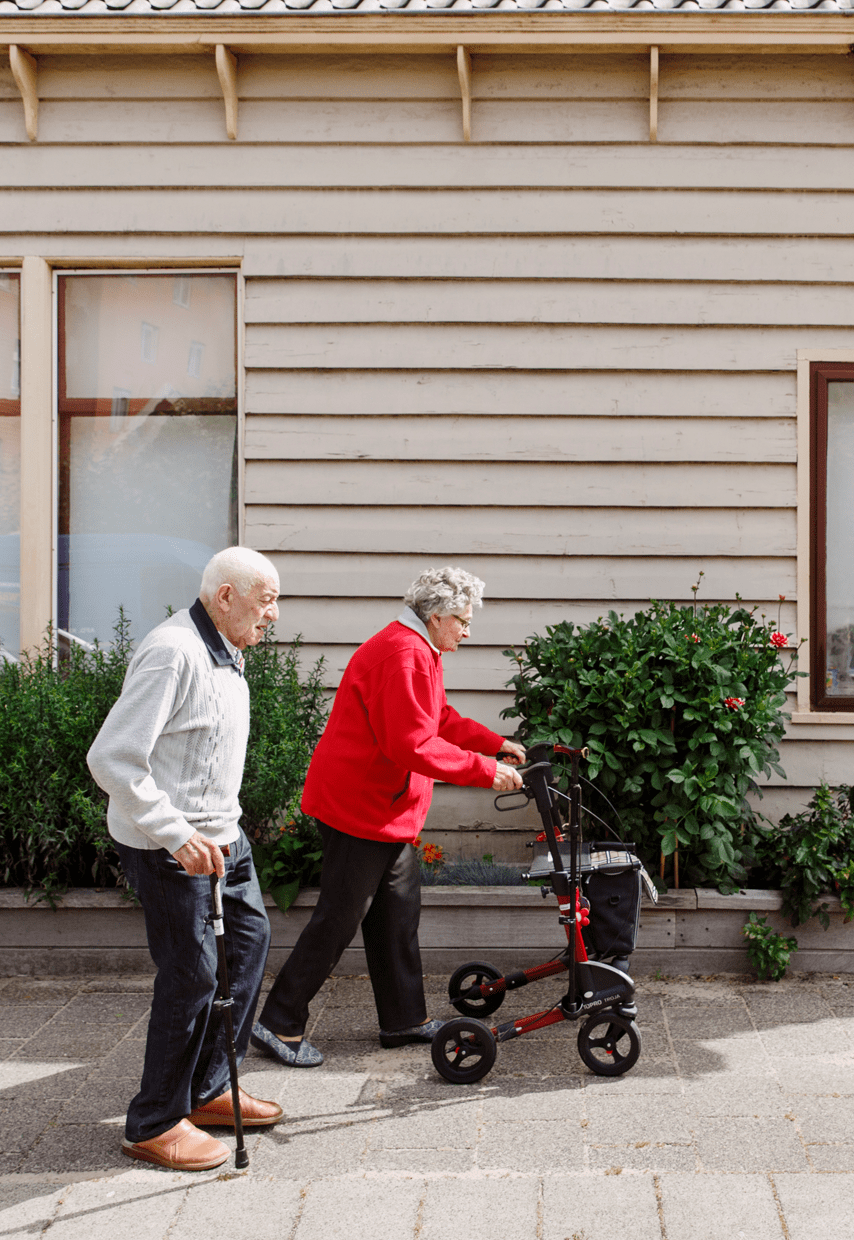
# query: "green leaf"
x,y
284,894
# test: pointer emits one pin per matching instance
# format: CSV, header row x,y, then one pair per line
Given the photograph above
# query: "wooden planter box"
x,y
689,931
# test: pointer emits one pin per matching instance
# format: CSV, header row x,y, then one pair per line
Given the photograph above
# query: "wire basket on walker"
x,y
599,897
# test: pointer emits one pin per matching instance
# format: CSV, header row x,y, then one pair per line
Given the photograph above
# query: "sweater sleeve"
x,y
120,757
406,732
467,733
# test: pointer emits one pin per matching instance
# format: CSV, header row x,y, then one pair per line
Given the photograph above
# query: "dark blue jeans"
x,y
185,1056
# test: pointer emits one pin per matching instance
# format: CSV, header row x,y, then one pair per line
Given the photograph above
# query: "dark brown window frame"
x,y
821,373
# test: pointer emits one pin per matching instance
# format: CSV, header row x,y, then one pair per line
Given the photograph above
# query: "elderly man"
x,y
390,734
170,755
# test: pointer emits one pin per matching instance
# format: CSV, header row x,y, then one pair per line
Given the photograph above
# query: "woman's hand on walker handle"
x,y
200,856
512,753
506,779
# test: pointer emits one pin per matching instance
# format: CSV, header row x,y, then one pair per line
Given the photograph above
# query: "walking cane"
x,y
224,1004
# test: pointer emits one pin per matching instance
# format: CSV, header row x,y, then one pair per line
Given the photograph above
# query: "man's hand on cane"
x,y
200,856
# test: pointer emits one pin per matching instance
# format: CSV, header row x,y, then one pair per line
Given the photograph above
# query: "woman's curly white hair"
x,y
443,592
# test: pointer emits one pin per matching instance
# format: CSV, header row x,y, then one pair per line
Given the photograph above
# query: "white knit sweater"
x,y
170,754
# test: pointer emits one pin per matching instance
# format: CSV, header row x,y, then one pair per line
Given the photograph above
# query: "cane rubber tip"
x,y
241,1159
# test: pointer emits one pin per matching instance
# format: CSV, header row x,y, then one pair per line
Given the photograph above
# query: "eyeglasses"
x,y
465,624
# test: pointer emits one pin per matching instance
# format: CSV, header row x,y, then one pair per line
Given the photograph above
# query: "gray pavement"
x,y
737,1123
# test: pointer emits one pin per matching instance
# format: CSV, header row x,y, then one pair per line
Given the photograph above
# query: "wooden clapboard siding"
x,y
544,484
522,394
810,258
715,77
560,355
546,301
341,575
466,530
218,164
795,123
377,212
550,347
577,437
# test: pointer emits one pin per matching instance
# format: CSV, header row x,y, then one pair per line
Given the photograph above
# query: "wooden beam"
x,y
464,71
653,94
226,68
36,451
25,72
594,32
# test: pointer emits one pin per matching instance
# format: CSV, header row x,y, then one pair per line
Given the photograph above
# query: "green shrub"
x,y
681,708
768,952
288,715
812,853
53,827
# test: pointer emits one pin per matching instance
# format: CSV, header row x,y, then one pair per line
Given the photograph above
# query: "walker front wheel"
x,y
475,974
609,1044
463,1050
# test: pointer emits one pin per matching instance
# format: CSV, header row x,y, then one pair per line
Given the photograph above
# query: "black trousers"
x,y
378,886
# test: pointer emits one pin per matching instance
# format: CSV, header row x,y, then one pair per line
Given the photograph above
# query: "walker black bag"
x,y
613,885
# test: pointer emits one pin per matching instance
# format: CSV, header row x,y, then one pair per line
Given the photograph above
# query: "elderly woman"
x,y
391,733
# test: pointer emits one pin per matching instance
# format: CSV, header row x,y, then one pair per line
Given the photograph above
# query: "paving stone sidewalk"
x,y
737,1122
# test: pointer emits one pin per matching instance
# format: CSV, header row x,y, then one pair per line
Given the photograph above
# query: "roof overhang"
x,y
52,33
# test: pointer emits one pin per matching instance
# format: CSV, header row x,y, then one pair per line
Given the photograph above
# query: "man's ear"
x,y
224,596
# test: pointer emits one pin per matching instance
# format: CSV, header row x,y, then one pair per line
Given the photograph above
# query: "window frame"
x,y
39,402
813,706
821,373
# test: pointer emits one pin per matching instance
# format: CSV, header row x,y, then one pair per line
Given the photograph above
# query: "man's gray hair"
x,y
240,567
443,592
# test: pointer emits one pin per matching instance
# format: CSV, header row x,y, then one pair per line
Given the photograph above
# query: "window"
x,y
196,359
181,291
832,535
147,448
150,335
10,464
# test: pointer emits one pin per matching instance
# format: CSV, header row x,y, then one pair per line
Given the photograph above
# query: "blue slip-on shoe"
x,y
304,1056
415,1033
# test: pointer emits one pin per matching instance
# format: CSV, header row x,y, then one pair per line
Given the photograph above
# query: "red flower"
x,y
779,640
734,703
417,841
691,637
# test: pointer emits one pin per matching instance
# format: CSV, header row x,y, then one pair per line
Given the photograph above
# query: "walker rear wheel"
x,y
463,1050
474,974
609,1044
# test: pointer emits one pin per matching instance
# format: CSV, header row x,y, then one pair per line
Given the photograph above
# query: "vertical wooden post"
x,y
25,72
464,71
226,68
653,94
37,515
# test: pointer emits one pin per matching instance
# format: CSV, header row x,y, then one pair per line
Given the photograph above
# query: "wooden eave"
x,y
426,33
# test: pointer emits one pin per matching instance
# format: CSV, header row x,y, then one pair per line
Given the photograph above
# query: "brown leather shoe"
x,y
254,1112
182,1148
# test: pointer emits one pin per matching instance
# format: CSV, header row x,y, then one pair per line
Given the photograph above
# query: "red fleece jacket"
x,y
390,734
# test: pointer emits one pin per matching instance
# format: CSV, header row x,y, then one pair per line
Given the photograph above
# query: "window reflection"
x,y
147,454
10,464
840,539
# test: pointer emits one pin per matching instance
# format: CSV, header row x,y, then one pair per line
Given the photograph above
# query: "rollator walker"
x,y
599,901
